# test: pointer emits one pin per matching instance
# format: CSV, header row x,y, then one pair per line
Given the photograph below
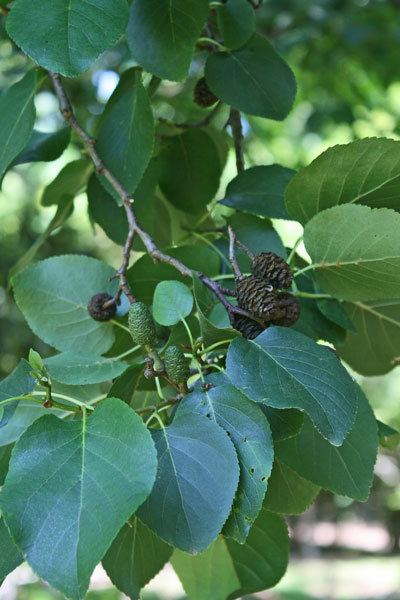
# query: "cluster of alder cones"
x,y
259,294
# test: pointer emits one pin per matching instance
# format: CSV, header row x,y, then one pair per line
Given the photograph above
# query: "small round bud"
x,y
96,310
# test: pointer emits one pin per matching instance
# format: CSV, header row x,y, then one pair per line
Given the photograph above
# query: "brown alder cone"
x,y
96,310
247,327
274,269
291,306
254,295
202,94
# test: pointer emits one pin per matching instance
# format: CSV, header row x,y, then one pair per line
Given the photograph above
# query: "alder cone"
x,y
254,295
247,327
202,95
291,306
273,268
96,310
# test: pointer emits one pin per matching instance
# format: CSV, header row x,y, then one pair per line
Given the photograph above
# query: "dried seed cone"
x,y
202,95
273,268
96,310
247,327
176,365
141,324
254,296
291,306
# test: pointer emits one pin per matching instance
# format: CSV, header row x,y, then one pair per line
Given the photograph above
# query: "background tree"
x,y
190,444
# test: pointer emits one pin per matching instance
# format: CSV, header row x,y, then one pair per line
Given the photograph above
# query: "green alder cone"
x,y
176,365
141,324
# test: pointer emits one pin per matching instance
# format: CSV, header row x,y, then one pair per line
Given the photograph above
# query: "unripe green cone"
x,y
176,365
141,324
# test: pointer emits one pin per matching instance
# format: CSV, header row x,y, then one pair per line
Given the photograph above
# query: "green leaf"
x,y
204,302
144,275
70,180
250,434
78,368
315,325
236,22
24,414
388,437
10,556
284,369
362,172
173,301
108,467
63,212
356,251
198,474
62,286
260,190
231,570
375,348
253,79
85,29
126,385
287,492
35,360
211,572
335,312
126,136
284,423
17,383
162,33
17,116
347,470
44,146
191,169
5,455
135,557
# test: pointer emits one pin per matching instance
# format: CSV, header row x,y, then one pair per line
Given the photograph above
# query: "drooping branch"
x,y
133,226
237,132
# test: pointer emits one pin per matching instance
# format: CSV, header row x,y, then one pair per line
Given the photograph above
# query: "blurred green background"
x,y
345,55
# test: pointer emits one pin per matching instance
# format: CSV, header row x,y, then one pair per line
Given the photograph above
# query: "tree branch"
x,y
232,257
237,131
133,226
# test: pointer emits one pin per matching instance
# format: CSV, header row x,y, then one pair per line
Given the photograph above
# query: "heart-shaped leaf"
x,y
84,29
347,470
53,295
77,368
198,474
162,33
233,570
284,369
17,116
362,172
94,472
260,191
356,251
253,79
250,434
135,557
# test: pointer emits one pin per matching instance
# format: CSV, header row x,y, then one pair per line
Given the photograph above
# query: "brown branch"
x,y
133,226
232,257
237,131
204,122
